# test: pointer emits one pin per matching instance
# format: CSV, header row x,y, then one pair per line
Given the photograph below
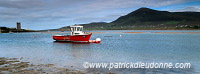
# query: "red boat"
x,y
76,35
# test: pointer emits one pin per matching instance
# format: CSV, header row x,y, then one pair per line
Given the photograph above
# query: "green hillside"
x,y
145,18
149,19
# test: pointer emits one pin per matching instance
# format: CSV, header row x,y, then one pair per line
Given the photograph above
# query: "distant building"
x,y
18,25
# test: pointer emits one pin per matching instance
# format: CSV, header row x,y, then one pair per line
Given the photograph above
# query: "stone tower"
x,y
0,29
18,25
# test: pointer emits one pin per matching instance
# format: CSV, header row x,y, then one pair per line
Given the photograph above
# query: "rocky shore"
x,y
15,66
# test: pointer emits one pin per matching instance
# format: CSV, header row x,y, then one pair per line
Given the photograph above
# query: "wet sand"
x,y
14,66
133,32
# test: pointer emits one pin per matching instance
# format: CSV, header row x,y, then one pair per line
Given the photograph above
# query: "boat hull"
x,y
74,38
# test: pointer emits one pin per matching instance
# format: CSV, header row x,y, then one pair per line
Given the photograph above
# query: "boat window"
x,y
79,28
75,29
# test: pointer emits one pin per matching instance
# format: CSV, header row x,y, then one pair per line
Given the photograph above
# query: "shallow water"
x,y
131,47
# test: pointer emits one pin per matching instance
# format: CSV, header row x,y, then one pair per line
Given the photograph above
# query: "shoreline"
x,y
144,29
120,30
15,66
125,32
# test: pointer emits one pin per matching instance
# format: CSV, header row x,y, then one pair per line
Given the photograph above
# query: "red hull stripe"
x,y
72,37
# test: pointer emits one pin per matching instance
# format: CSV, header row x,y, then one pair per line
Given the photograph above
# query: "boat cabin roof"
x,y
76,26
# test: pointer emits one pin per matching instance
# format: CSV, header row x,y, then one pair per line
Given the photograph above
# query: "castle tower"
x,y
18,25
0,29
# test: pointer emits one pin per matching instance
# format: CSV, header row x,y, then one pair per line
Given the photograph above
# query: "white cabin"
x,y
77,30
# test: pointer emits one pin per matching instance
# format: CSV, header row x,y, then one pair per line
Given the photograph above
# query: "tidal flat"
x,y
15,66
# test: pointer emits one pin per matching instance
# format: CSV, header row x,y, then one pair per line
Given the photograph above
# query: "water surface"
x,y
130,47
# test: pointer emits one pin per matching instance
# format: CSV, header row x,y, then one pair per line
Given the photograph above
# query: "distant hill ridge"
x,y
146,18
150,15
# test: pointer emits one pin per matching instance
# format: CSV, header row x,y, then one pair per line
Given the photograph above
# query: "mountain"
x,y
89,26
146,18
149,15
145,15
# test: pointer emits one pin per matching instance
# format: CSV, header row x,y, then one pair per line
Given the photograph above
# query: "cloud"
x,y
45,14
188,9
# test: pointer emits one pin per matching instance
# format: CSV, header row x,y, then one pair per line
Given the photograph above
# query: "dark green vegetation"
x,y
148,19
145,18
7,30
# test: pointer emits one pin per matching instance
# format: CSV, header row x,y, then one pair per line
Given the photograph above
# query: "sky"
x,y
53,14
